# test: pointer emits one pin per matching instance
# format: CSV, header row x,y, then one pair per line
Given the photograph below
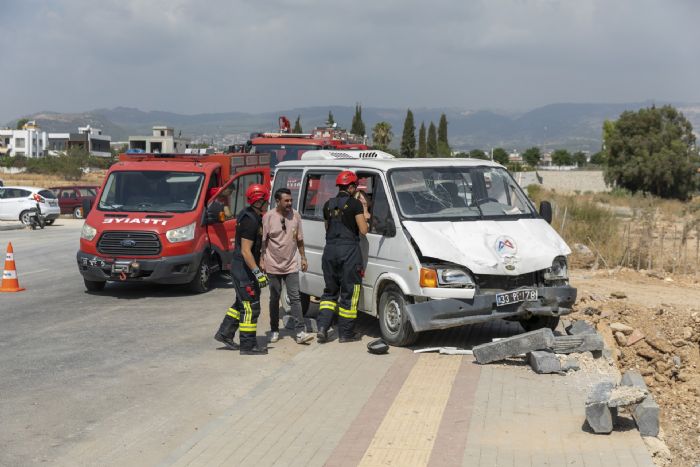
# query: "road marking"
x,y
407,433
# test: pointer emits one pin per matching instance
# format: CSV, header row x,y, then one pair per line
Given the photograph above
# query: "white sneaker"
x,y
304,338
274,337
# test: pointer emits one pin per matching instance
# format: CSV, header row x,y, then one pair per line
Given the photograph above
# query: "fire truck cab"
x,y
150,221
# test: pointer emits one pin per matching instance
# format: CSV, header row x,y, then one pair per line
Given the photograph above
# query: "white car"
x,y
17,201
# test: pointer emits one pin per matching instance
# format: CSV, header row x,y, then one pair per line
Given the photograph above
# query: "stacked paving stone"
x,y
606,398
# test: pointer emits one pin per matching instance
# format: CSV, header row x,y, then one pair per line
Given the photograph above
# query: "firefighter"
x,y
342,260
247,277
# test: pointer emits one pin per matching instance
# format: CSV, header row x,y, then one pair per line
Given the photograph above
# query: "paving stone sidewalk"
x,y
337,405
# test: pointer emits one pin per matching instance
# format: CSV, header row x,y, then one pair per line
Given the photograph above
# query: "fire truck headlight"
x,y
88,232
181,234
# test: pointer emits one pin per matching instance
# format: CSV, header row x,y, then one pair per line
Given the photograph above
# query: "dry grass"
x,y
635,231
45,181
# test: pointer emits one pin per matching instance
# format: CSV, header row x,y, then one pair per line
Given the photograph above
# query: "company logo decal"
x,y
128,242
126,220
506,246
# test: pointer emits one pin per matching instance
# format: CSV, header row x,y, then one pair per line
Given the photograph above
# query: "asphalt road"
x,y
127,375
116,377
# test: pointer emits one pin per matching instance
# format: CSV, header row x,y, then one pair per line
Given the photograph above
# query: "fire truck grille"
x,y
129,244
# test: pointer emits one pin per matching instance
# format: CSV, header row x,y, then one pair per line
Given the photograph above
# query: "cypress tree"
x,y
408,140
422,148
432,140
358,126
330,120
297,125
443,147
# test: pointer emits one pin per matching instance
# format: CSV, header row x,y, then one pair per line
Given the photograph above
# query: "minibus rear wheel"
x,y
393,320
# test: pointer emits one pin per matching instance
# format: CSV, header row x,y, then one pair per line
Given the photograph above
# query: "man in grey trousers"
x,y
282,238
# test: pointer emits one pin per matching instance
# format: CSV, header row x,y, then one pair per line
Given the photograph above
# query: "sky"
x,y
190,56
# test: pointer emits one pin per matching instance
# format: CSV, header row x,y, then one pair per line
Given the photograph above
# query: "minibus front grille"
x,y
129,244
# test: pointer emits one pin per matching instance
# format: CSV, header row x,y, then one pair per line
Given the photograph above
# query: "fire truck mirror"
x,y
215,213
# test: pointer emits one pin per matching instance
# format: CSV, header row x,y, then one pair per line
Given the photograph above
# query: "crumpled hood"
x,y
510,247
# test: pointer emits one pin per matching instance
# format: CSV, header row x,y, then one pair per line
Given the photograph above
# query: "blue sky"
x,y
241,55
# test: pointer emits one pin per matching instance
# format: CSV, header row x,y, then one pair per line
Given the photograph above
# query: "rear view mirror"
x,y
215,213
546,211
390,227
87,207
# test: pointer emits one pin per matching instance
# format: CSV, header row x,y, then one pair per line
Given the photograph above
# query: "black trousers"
x,y
245,310
342,273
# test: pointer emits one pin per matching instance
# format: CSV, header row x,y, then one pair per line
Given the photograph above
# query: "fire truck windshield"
x,y
284,152
151,191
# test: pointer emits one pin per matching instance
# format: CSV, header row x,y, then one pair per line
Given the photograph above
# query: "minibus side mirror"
x,y
87,207
390,227
546,211
215,213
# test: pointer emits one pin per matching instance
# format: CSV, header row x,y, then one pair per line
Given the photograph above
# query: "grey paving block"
x,y
580,327
540,339
579,343
646,414
634,378
544,362
622,396
570,364
599,416
311,325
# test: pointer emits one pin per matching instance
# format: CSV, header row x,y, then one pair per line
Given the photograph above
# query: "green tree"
x,y
422,144
652,150
598,158
478,154
330,120
408,139
501,156
21,122
358,126
561,157
443,146
462,154
297,125
432,140
532,156
579,158
382,135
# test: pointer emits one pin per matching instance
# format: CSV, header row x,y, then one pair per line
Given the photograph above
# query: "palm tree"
x,y
382,135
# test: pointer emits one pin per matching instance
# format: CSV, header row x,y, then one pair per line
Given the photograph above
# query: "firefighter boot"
x,y
226,332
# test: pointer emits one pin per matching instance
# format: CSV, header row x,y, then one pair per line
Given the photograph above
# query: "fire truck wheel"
x,y
200,281
94,286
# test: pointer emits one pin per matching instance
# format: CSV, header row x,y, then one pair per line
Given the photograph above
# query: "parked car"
x,y
16,203
70,198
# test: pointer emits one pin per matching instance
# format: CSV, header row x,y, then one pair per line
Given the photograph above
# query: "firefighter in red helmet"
x,y
342,260
247,277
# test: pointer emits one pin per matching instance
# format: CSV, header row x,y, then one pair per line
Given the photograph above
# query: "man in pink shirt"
x,y
282,238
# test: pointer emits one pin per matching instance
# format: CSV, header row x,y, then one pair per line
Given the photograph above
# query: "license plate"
x,y
118,268
515,296
53,203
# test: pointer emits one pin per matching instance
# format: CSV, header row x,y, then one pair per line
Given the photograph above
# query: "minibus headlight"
x,y
88,232
558,270
181,234
455,278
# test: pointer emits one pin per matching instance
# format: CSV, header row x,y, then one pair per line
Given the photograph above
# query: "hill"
x,y
571,126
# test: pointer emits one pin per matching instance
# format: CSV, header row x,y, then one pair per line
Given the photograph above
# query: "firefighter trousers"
x,y
245,310
342,273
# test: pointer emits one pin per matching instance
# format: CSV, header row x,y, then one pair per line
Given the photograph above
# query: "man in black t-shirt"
x,y
342,260
247,277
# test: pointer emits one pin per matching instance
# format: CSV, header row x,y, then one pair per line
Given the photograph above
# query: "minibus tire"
x,y
538,322
391,302
202,279
94,286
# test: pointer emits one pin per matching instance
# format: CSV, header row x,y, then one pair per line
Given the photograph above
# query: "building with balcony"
x,y
30,141
87,138
163,140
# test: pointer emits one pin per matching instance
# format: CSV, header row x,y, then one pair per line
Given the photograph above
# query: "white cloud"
x,y
190,56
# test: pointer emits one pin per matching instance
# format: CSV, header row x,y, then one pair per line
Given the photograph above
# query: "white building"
x,y
163,140
30,141
87,138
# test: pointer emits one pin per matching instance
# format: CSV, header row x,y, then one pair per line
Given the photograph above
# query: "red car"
x,y
70,198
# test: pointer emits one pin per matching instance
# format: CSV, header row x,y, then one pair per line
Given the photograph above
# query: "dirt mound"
x,y
659,339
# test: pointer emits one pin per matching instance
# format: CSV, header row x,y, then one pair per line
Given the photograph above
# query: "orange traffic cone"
x,y
9,275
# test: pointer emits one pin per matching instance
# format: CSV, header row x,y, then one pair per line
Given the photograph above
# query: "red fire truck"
x,y
286,146
149,221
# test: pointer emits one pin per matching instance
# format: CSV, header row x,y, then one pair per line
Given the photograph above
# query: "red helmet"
x,y
256,192
346,177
